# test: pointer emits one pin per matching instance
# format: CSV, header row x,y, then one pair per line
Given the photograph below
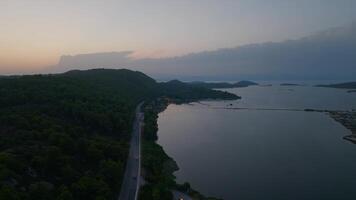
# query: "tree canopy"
x,y
65,136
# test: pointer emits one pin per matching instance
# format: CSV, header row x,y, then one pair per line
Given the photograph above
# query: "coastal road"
x,y
179,195
131,182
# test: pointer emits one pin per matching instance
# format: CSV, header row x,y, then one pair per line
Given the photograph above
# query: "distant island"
x,y
217,85
346,85
289,84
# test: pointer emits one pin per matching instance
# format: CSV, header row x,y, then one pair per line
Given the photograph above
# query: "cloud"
x,y
330,54
94,60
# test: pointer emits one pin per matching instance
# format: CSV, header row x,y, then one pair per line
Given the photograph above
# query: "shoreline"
x,y
165,162
348,120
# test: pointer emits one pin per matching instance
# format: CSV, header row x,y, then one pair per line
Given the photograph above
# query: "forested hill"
x,y
65,136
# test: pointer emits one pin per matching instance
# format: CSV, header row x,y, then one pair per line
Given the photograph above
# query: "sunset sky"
x,y
35,33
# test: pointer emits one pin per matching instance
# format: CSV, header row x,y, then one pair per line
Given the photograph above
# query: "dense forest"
x,y
65,136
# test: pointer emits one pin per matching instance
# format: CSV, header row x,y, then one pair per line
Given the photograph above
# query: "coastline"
x,y
159,178
169,166
348,120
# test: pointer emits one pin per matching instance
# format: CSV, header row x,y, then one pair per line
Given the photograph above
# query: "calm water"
x,y
262,154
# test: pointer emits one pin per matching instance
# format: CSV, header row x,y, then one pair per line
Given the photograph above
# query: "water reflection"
x,y
263,154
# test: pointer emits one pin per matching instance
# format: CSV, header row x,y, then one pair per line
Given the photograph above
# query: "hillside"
x,y
65,136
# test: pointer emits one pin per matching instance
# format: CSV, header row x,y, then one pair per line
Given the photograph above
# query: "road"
x,y
179,195
131,182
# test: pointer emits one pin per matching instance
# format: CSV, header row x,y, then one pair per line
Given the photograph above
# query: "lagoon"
x,y
263,154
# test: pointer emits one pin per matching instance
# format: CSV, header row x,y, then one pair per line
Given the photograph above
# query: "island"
x,y
219,85
66,136
289,84
346,85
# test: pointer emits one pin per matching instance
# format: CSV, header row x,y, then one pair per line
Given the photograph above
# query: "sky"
x,y
35,33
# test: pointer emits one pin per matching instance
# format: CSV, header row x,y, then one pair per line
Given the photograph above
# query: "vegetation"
x,y
216,85
65,136
158,166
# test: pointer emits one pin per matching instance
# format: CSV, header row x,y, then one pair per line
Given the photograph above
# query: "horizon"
x,y
168,40
187,79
